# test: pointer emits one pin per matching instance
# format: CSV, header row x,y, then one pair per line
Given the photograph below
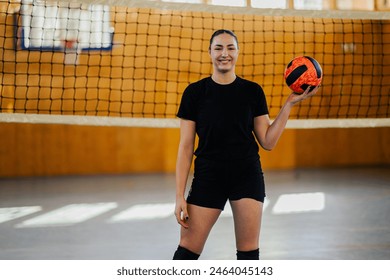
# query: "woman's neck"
x,y
223,78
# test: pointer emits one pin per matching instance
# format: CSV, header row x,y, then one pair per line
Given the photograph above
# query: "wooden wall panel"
x,y
40,150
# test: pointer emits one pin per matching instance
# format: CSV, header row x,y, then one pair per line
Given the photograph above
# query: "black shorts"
x,y
215,182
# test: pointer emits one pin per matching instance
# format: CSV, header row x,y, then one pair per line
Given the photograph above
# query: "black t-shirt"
x,y
224,117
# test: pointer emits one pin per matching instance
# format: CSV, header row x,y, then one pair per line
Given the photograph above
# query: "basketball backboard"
x,y
47,25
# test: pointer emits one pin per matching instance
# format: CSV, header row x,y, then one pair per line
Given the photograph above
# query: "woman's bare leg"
x,y
247,215
200,222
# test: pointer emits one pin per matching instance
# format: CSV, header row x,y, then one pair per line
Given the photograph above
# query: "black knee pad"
x,y
248,255
184,254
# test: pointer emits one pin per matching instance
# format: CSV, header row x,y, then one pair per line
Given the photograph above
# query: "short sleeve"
x,y
187,108
260,105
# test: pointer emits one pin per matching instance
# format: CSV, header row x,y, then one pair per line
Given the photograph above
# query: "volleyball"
x,y
302,72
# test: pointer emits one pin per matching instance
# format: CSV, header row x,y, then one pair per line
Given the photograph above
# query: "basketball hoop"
x,y
71,52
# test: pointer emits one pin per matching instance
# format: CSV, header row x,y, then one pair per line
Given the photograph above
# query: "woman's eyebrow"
x,y
220,45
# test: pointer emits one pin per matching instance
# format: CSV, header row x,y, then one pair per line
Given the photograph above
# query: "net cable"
x,y
135,58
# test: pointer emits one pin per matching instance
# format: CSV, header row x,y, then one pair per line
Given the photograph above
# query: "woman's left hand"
x,y
295,98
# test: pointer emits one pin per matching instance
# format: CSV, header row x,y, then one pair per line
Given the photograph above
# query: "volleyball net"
x,y
127,63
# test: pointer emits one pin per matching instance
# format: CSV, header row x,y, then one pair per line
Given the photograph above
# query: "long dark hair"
x,y
222,31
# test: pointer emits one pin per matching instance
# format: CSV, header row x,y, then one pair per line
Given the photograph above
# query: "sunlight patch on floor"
x,y
299,203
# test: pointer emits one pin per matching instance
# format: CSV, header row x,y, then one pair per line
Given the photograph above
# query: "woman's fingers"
x,y
181,214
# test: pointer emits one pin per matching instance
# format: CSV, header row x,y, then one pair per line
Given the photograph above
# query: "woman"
x,y
228,113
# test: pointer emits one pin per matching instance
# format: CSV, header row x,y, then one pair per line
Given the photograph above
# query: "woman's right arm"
x,y
183,165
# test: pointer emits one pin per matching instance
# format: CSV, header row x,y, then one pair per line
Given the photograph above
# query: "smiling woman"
x,y
228,113
224,51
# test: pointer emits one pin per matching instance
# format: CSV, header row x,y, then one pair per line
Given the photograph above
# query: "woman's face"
x,y
224,52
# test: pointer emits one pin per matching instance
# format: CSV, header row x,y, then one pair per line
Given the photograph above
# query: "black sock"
x,y
184,254
248,255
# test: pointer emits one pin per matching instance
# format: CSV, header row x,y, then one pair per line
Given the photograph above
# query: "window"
x,y
308,4
236,3
185,1
273,4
